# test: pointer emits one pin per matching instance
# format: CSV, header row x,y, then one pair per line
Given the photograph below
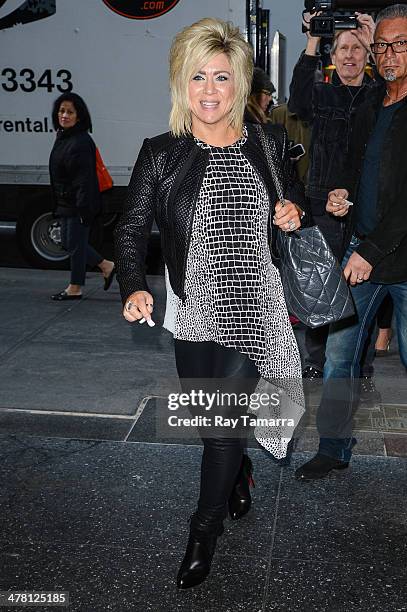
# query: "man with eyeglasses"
x,y
375,263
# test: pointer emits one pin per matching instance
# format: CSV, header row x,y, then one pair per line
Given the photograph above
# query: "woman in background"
x,y
74,183
260,98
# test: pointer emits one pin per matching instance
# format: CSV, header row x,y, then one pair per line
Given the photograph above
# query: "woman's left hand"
x,y
287,217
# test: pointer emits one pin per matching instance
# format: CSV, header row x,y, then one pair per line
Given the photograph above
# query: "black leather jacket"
x,y
72,168
165,185
385,248
330,108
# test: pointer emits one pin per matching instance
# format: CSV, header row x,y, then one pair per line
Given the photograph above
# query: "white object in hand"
x,y
347,202
150,322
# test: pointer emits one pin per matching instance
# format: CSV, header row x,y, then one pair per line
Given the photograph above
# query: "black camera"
x,y
326,25
340,14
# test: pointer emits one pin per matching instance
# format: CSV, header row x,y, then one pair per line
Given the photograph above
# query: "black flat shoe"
x,y
240,499
109,279
196,564
319,467
63,295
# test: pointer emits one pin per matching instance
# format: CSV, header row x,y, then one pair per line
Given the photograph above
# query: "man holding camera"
x,y
375,262
330,107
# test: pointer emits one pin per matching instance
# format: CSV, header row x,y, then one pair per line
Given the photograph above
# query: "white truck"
x,y
114,53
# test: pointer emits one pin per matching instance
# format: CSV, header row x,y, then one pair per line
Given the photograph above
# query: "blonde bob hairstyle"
x,y
194,47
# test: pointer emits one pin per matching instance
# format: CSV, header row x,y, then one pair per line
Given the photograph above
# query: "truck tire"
x,y
39,236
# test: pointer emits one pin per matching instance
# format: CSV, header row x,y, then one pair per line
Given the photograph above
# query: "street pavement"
x,y
95,500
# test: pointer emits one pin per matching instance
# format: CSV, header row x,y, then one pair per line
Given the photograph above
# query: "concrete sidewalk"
x,y
94,502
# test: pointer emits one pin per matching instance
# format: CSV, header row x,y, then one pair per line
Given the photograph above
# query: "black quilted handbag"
x,y
315,289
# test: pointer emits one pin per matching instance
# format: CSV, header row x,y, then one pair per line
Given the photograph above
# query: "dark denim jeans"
x,y
74,238
342,367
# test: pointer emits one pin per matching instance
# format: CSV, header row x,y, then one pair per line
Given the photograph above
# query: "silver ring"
x,y
359,278
129,305
291,224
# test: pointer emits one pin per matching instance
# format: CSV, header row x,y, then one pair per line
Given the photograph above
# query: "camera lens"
x,y
322,26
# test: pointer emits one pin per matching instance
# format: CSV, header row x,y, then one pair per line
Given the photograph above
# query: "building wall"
x,y
285,16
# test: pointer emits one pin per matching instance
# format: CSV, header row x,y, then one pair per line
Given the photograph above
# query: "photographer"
x,y
329,107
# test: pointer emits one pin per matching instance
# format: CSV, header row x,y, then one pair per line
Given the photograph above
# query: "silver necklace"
x,y
399,97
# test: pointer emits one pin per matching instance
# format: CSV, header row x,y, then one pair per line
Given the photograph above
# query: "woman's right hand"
x,y
337,203
138,306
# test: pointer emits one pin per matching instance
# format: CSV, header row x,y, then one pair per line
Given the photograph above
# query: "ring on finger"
x,y
291,224
129,306
359,279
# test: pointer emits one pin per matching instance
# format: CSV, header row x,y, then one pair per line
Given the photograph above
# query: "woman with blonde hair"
x,y
208,186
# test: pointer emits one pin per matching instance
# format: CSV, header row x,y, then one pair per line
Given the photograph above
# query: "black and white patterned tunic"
x,y
234,292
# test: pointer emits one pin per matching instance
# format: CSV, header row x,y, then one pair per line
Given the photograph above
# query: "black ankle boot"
x,y
240,499
196,564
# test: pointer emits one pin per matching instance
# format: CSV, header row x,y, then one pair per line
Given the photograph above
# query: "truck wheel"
x,y
39,237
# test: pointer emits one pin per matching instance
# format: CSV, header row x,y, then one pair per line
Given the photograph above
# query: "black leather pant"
x,y
223,449
385,313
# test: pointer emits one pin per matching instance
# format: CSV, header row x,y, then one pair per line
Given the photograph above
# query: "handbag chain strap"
x,y
272,157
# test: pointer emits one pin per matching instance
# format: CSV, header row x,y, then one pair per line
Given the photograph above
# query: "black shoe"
x,y
368,392
196,564
311,373
109,279
319,467
240,499
63,295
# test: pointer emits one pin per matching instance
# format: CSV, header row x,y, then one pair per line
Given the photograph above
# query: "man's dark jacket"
x,y
72,168
330,108
385,248
165,185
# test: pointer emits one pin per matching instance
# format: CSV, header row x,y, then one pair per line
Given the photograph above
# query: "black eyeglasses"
x,y
398,46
